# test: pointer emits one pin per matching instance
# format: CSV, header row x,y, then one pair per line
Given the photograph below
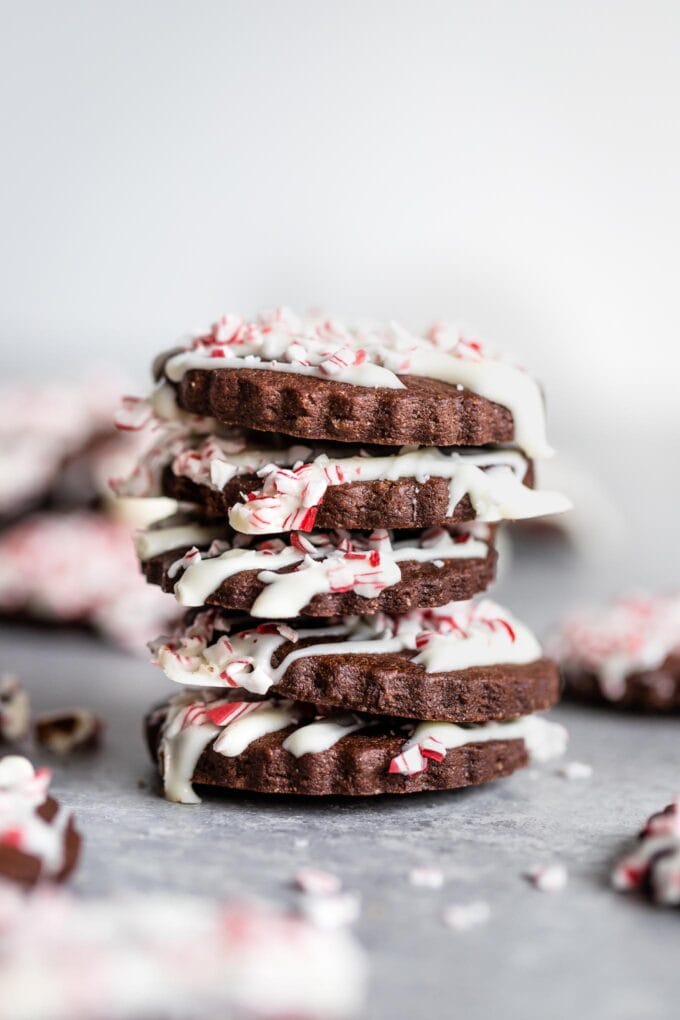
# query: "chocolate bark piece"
x,y
649,690
26,869
356,766
76,729
421,585
400,503
425,412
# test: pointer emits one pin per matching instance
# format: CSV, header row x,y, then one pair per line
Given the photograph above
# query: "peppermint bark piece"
x,y
38,838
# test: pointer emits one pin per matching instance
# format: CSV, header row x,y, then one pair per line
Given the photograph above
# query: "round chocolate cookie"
x,y
647,690
422,584
390,673
362,505
392,684
425,412
358,765
625,654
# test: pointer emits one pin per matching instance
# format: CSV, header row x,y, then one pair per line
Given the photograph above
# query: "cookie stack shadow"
x,y
335,533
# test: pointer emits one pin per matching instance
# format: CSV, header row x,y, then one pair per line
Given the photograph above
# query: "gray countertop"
x,y
584,952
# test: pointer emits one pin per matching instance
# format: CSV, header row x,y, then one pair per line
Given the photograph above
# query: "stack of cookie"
x,y
339,491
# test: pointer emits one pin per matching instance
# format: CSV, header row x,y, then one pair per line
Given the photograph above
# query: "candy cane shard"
x,y
431,740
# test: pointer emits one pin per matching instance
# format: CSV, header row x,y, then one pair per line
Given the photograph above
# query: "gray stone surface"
x,y
585,952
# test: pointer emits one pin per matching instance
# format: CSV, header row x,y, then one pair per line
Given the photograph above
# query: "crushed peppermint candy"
x,y
464,916
336,911
170,955
315,882
575,770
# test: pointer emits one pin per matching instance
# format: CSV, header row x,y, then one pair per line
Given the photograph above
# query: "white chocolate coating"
x,y
154,541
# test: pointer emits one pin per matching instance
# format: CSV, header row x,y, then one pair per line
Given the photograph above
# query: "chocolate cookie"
x,y
389,587
626,654
393,685
414,667
363,505
357,765
650,690
425,412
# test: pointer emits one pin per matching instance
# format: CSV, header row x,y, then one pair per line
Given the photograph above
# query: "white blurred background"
x,y
512,166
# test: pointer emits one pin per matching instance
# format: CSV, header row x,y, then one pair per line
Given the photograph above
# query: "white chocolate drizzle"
x,y
323,561
156,540
211,652
368,356
323,734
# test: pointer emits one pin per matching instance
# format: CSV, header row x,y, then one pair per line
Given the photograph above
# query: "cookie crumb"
x,y
316,882
335,911
549,878
426,878
575,770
